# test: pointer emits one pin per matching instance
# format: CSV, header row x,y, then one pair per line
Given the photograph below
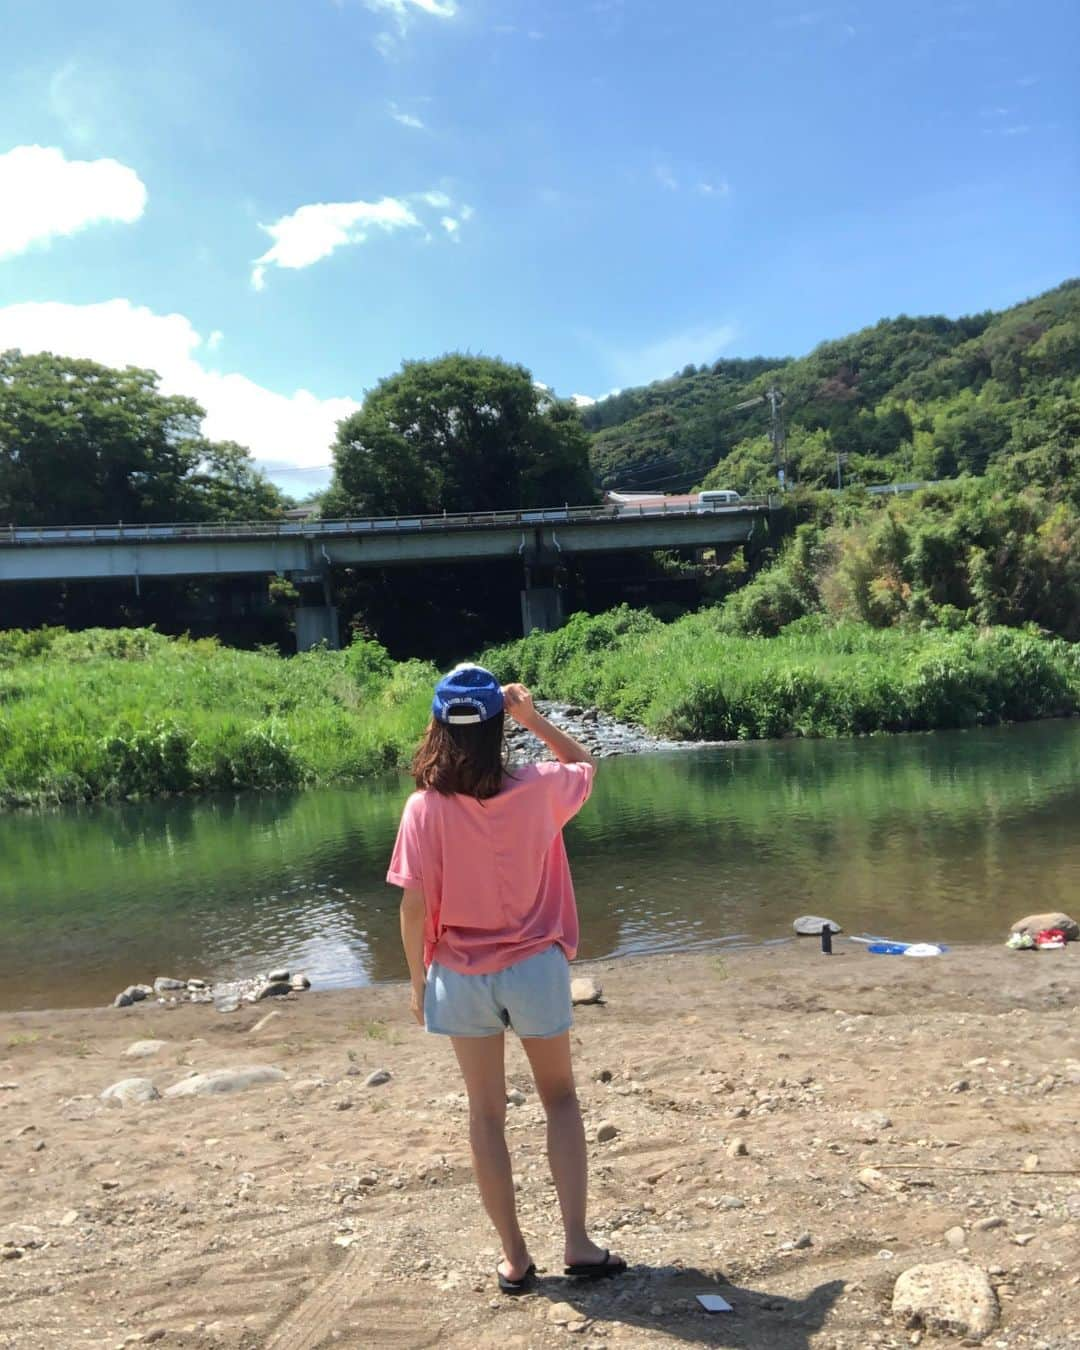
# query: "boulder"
x,y
1035,923
606,1132
273,989
378,1078
130,1092
227,1003
225,1080
280,976
141,1049
811,925
165,984
123,1000
585,990
951,1297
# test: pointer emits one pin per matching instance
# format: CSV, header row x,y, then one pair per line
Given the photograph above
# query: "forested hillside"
x,y
922,398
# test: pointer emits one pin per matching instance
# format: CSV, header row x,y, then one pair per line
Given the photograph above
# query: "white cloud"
x,y
45,195
406,119
295,429
312,232
718,189
401,9
582,400
660,360
214,341
403,12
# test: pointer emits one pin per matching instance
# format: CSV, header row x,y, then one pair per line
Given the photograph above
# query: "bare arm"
x,y
412,939
519,704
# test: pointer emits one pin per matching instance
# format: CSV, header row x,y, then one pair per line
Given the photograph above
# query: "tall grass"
x,y
129,713
692,679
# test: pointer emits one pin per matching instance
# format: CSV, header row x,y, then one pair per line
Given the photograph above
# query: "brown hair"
x,y
470,758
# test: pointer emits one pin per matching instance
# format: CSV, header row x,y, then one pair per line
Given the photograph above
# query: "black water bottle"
x,y
826,938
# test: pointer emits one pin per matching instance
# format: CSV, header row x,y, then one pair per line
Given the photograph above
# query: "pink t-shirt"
x,y
494,873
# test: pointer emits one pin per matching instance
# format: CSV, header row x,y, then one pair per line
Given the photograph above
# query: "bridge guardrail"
x,y
13,535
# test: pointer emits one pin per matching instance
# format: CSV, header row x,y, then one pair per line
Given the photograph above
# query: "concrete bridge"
x,y
305,551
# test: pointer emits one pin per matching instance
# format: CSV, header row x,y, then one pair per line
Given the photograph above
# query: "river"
x,y
942,837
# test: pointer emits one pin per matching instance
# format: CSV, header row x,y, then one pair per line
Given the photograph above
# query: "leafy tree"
x,y
82,443
461,433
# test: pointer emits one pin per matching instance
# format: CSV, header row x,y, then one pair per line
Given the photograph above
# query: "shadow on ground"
x,y
664,1299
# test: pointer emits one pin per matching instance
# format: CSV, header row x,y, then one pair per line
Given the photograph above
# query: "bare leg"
x,y
482,1063
554,1075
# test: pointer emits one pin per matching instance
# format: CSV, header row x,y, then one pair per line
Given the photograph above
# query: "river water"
x,y
946,837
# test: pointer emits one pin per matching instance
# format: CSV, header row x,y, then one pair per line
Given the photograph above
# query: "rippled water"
x,y
948,836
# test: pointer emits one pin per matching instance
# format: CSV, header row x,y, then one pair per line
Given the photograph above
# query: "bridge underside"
x,y
308,559
69,560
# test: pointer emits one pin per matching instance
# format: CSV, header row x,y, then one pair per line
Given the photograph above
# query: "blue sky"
x,y
603,190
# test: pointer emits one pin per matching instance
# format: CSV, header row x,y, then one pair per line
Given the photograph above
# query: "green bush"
x,y
694,679
126,713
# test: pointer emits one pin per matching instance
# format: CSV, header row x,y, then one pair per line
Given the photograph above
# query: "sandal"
x,y
522,1286
596,1270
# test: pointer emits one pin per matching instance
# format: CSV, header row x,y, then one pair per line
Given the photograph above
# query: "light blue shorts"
x,y
532,997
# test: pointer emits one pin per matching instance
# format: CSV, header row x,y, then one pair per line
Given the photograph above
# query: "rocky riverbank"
x,y
792,1132
600,733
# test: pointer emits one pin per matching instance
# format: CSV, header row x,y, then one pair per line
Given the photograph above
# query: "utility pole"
x,y
776,433
775,399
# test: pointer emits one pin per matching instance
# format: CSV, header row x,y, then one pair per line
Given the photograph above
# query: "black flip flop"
x,y
596,1270
521,1286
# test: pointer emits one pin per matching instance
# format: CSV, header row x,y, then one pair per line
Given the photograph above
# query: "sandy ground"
x,y
321,1212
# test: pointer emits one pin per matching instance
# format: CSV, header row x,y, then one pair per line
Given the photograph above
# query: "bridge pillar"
x,y
541,608
315,624
316,619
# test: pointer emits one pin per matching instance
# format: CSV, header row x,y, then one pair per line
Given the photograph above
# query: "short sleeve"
x,y
405,865
569,786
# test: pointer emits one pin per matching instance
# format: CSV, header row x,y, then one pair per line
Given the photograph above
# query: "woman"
x,y
489,925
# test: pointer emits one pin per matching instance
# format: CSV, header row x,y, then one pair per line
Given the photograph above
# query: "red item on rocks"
x,y
1050,937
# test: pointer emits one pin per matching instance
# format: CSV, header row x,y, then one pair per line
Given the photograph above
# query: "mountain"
x,y
906,398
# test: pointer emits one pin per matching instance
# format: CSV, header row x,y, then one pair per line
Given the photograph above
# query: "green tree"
x,y
227,486
82,443
461,433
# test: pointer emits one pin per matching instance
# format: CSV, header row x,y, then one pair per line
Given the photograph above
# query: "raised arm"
x,y
519,705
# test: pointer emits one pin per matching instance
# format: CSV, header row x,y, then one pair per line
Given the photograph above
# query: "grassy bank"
x,y
692,679
123,713
128,713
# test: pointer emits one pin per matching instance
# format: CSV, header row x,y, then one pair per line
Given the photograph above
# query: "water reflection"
x,y
947,836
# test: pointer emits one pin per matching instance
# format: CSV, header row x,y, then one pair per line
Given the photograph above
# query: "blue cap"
x,y
468,694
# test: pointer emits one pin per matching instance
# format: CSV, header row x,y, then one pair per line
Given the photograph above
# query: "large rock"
x,y
165,984
273,989
1035,923
586,990
954,1297
130,1092
142,1049
225,1080
810,925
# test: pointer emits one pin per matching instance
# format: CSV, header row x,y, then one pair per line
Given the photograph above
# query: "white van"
x,y
713,499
